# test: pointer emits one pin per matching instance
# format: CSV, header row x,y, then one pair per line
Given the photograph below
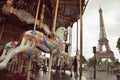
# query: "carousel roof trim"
x,y
67,14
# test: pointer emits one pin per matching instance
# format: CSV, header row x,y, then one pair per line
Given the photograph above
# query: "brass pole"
x,y
81,38
55,18
49,68
53,31
36,15
21,63
42,14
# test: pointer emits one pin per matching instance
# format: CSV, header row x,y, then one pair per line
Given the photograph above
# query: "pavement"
x,y
86,76
99,76
56,76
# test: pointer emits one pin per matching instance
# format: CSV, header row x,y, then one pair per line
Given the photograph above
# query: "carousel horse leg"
x,y
71,71
29,70
20,63
61,66
21,66
13,52
60,71
16,67
12,67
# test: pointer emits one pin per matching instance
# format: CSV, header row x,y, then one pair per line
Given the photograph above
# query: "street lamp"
x,y
94,51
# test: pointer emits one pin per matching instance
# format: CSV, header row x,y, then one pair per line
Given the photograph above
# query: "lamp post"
x,y
94,51
107,64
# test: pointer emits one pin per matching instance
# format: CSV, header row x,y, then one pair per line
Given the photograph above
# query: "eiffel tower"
x,y
103,41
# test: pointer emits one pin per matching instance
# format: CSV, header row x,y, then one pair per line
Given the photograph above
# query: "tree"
x,y
115,64
99,62
90,62
84,60
118,44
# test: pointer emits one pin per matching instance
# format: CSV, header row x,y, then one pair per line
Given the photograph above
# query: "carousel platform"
x,y
56,76
4,75
40,76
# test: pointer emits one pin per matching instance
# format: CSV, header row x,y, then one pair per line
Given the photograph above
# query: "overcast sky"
x,y
91,26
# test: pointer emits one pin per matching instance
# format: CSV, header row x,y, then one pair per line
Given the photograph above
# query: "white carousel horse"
x,y
59,61
33,38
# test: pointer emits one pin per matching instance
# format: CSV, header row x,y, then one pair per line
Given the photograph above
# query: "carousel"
x,y
29,28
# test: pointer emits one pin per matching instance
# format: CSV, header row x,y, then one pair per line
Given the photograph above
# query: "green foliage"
x,y
90,62
118,44
84,60
99,61
115,64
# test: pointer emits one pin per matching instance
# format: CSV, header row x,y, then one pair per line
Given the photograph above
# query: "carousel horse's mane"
x,y
45,28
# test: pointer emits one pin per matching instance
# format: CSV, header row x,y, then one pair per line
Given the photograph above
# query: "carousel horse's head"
x,y
60,33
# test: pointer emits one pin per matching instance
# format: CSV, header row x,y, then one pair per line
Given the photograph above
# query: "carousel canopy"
x,y
68,12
